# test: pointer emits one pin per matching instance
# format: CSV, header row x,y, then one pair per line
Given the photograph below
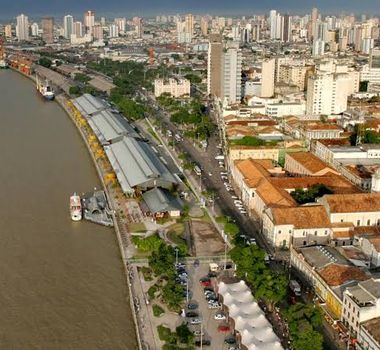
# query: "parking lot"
x,y
208,323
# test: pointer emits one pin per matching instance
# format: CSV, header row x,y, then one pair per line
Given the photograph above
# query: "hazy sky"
x,y
10,8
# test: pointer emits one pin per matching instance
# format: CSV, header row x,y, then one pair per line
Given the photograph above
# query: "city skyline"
x,y
145,8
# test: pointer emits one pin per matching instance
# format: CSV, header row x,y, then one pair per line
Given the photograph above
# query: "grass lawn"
x,y
157,310
138,227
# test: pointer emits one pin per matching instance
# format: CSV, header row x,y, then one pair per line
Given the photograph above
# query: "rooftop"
x,y
352,203
310,162
336,275
373,328
302,217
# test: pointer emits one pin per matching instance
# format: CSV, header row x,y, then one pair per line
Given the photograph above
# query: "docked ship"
x,y
3,64
44,88
75,207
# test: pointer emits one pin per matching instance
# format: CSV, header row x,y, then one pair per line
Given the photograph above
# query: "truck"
x,y
295,287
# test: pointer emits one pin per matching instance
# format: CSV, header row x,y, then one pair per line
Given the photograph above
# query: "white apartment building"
x,y
372,75
231,80
361,303
68,26
176,88
278,110
369,335
268,77
293,75
327,93
22,28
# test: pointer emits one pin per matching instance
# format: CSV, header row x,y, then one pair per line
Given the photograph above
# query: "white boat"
x,y
75,207
44,88
3,64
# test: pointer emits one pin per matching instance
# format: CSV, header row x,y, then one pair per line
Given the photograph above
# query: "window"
x,y
326,232
368,222
315,233
304,233
358,223
279,231
304,242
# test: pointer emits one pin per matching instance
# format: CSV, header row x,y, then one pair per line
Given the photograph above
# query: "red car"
x,y
223,329
206,283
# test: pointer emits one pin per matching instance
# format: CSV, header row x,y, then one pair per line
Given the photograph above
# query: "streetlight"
x,y
176,256
201,335
225,238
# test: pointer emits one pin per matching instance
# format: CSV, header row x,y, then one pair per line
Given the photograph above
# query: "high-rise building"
x,y
97,32
231,82
138,22
34,29
214,65
78,29
273,24
374,59
121,24
103,21
68,26
267,77
287,29
113,31
204,26
22,28
89,21
8,31
318,48
313,23
189,23
327,93
47,24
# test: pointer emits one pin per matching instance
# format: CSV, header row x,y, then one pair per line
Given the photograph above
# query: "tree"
x,y
45,62
172,294
162,260
302,196
82,78
74,90
185,336
231,229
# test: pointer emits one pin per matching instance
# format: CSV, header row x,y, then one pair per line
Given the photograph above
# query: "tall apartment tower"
x,y
137,21
374,59
231,82
68,26
327,93
47,24
22,28
89,21
189,24
273,24
78,29
287,29
204,25
267,77
214,65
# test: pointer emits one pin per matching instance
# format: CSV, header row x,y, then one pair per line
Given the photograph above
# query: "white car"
x,y
238,201
195,321
213,306
234,197
220,317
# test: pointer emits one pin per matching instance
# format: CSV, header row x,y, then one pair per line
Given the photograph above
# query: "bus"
x,y
197,170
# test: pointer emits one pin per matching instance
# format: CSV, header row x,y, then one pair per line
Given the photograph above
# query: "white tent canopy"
x,y
250,321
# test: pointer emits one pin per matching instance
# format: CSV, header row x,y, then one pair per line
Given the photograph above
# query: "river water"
x,y
61,283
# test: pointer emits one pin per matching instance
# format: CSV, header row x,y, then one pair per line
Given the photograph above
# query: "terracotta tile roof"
x,y
335,142
336,275
366,230
375,242
252,122
239,130
321,126
273,196
302,217
250,168
310,162
343,234
373,327
337,184
353,203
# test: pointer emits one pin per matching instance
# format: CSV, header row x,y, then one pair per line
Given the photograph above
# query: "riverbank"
x,y
121,234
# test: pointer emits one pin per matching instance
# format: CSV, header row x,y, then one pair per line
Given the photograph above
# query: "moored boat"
x,y
75,207
44,88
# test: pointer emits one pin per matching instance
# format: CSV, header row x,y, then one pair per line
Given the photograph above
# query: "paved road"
x,y
208,163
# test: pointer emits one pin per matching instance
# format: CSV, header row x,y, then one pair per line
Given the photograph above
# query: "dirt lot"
x,y
206,239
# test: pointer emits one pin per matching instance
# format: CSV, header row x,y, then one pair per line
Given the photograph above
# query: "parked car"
x,y
230,341
195,321
191,314
198,333
205,342
220,316
212,274
196,263
224,329
214,305
211,296
192,306
203,279
206,283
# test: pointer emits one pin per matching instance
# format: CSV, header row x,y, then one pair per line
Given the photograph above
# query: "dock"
x,y
96,208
